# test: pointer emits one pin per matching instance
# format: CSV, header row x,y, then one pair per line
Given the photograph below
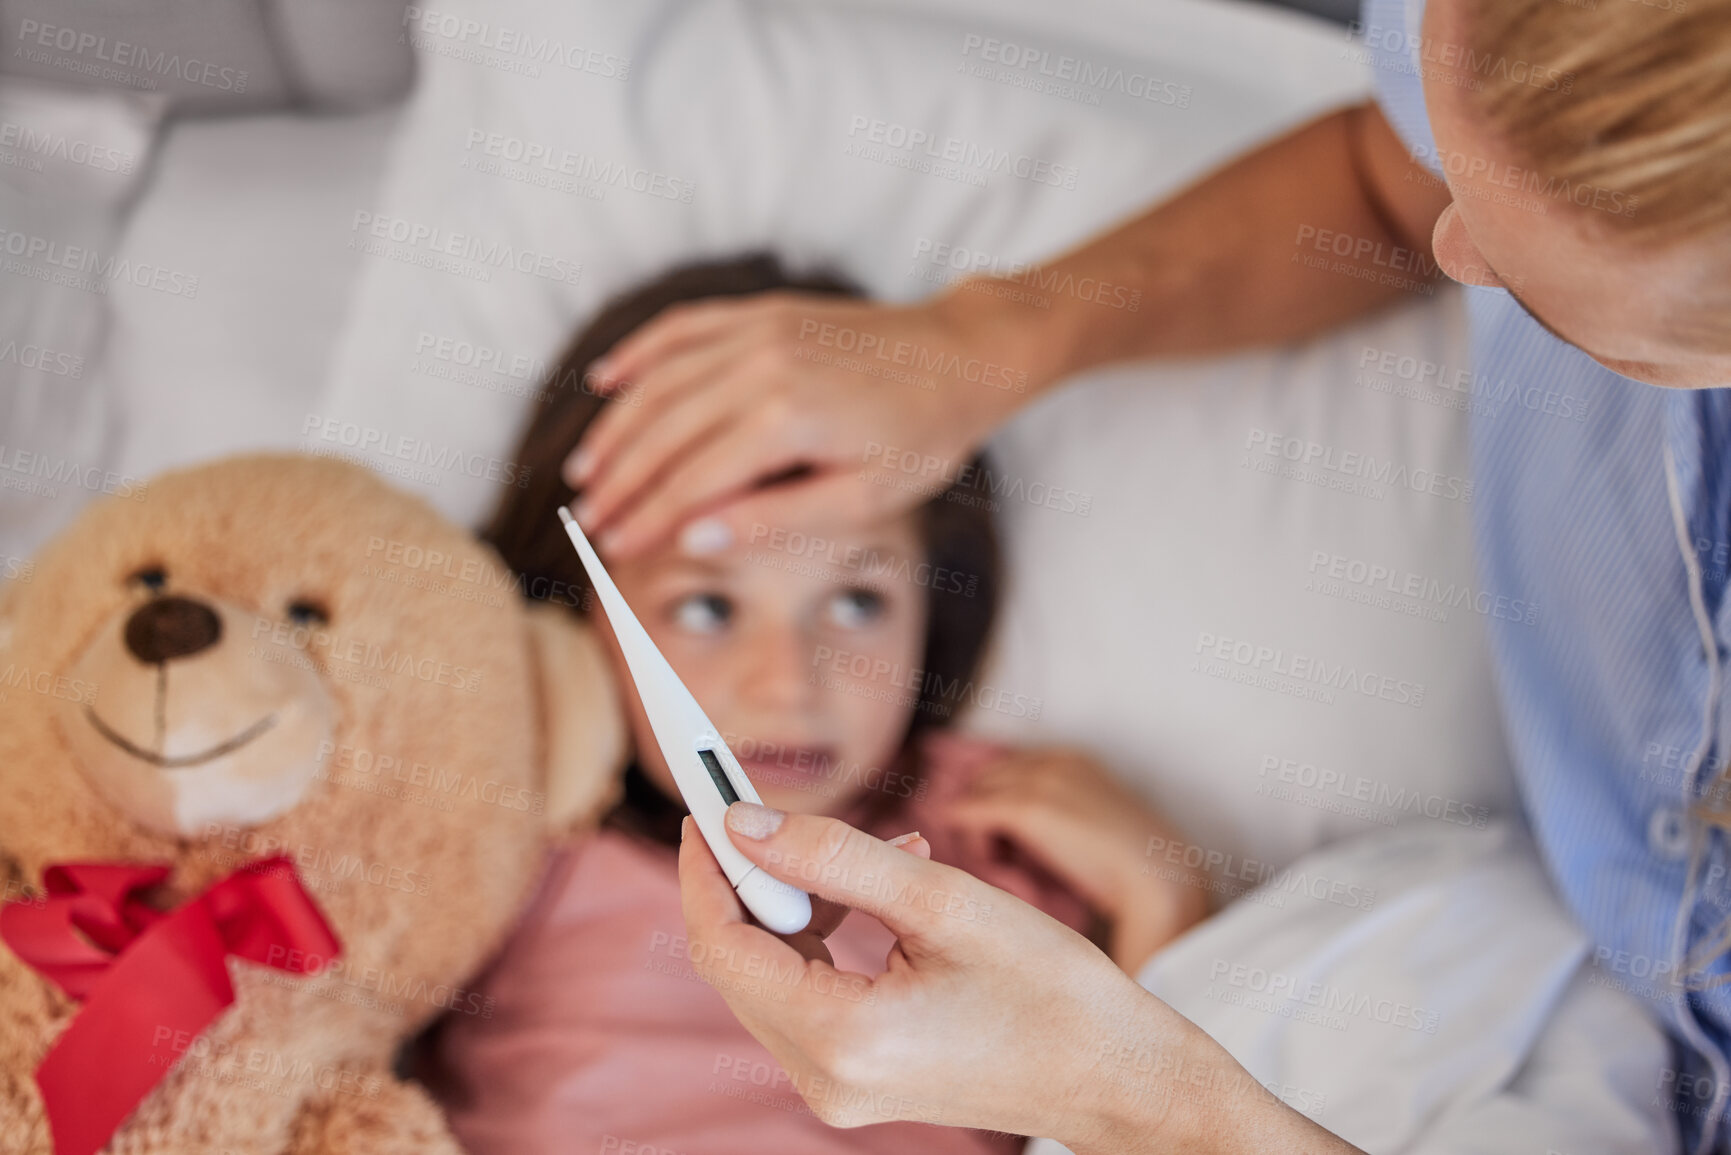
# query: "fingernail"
x,y
582,511
607,542
705,536
904,839
754,821
578,466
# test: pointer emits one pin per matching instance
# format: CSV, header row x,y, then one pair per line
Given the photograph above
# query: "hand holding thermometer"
x,y
709,776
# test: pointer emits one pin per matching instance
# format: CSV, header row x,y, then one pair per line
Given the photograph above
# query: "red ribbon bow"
x,y
150,981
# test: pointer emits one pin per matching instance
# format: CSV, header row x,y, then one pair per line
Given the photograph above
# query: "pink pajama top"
x,y
598,1036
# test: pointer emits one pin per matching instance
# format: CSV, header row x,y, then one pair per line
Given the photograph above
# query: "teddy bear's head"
x,y
282,655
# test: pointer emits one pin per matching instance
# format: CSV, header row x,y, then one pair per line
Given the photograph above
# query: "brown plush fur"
x,y
303,1064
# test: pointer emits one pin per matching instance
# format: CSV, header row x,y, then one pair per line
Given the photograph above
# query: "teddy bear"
x,y
281,751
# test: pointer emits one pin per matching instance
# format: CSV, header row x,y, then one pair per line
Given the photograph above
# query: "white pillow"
x,y
1279,661
251,212
71,161
736,121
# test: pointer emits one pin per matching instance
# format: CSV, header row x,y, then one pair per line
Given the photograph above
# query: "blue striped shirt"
x,y
1609,503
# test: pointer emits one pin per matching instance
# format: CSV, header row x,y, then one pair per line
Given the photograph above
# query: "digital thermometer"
x,y
708,775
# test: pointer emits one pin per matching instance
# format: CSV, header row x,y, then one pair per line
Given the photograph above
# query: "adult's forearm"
x,y
1251,255
1158,1087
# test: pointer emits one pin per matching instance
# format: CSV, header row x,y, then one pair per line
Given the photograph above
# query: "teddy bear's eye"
x,y
306,612
151,577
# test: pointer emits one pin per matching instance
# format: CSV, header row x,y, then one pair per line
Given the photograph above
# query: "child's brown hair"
x,y
955,527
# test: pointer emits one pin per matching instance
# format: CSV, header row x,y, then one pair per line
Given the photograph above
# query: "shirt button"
x,y
1668,834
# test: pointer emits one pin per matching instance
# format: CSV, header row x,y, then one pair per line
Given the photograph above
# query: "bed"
x,y
1283,650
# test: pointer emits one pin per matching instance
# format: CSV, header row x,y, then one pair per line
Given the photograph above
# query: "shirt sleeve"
x,y
1393,48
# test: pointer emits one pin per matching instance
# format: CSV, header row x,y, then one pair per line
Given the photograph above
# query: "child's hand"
x,y
1066,810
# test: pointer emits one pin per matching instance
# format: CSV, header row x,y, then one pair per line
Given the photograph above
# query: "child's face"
x,y
765,639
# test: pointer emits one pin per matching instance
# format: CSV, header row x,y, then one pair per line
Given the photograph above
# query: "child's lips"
x,y
771,763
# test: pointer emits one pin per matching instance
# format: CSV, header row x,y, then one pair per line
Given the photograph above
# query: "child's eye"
x,y
703,613
856,608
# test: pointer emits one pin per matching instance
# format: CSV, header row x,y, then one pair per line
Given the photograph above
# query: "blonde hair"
x,y
1643,114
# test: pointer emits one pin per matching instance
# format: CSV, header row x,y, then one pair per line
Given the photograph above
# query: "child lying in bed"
x,y
602,1037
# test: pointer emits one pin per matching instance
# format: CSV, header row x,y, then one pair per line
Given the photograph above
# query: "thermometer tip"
x,y
565,515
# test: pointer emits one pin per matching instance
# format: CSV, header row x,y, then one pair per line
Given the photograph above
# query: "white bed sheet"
x,y
1421,993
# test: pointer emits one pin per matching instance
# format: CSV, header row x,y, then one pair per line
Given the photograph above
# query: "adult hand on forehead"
x,y
861,410
989,1014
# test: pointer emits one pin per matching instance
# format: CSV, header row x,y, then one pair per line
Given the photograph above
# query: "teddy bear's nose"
x,y
173,627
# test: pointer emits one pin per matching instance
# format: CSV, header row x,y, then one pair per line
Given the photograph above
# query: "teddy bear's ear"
x,y
583,726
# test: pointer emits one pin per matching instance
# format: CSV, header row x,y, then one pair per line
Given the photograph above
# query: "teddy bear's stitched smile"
x,y
184,760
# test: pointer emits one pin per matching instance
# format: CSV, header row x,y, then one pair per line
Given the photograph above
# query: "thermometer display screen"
x,y
716,773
